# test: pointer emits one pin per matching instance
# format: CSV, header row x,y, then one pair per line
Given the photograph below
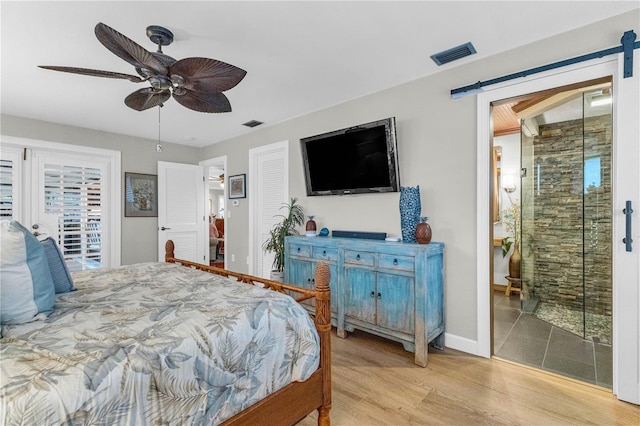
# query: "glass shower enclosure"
x,y
566,207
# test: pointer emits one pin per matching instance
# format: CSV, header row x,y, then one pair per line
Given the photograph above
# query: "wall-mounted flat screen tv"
x,y
355,160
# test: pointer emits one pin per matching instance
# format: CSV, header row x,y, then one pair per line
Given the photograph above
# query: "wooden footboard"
x,y
292,403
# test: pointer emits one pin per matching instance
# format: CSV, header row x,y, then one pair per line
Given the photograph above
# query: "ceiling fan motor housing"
x,y
159,35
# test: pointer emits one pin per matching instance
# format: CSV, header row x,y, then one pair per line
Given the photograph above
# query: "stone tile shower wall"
x,y
564,213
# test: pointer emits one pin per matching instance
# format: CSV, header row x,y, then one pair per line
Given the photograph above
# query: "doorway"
x,y
217,210
626,190
556,231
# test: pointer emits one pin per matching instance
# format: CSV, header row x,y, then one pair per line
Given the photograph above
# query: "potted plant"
x,y
293,217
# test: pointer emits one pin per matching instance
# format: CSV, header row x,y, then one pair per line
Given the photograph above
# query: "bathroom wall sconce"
x,y
509,183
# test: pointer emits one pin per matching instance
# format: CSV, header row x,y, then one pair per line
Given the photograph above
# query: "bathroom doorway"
x,y
553,309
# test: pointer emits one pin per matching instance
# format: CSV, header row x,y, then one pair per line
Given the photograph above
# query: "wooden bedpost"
x,y
323,324
168,250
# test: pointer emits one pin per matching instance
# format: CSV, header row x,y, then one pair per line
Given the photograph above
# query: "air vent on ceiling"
x,y
453,54
252,123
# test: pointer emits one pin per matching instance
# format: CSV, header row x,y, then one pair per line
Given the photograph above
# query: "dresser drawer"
x,y
300,250
364,258
329,254
400,263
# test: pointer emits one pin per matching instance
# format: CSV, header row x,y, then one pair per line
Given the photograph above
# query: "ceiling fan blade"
x,y
203,101
146,98
205,75
94,73
128,49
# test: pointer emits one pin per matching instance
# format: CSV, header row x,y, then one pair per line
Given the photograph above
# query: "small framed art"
x,y
140,195
238,186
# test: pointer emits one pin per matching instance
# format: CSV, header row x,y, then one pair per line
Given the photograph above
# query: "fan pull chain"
x,y
159,145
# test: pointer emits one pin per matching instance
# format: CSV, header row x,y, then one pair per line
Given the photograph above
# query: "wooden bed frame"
x,y
295,401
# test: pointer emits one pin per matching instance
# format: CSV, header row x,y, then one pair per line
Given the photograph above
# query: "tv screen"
x,y
360,159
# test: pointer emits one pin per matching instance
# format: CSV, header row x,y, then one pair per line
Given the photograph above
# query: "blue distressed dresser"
x,y
390,289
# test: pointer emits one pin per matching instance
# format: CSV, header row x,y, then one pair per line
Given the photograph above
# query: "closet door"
x,y
268,191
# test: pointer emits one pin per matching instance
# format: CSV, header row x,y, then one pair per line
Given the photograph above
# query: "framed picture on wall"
x,y
140,195
238,186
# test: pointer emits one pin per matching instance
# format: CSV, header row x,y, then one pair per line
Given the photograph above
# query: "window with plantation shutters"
x,y
10,178
6,189
70,193
74,194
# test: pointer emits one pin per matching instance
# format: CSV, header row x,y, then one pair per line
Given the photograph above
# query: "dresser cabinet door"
x,y
395,302
300,274
360,294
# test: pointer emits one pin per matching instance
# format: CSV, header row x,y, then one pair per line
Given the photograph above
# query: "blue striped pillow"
x,y
26,286
59,272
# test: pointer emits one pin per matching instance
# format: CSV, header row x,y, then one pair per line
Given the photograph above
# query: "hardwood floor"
x,y
375,382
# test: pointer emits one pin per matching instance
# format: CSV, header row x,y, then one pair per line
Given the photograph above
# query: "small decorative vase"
x,y
423,231
311,226
514,262
409,212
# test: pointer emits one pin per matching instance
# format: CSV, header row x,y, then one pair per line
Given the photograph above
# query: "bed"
x,y
171,343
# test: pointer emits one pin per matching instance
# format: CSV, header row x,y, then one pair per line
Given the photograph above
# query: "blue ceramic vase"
x,y
409,212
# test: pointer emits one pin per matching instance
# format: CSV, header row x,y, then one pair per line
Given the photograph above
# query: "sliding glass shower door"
x,y
566,206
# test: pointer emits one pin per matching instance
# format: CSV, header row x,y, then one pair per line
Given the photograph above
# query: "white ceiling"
x,y
300,56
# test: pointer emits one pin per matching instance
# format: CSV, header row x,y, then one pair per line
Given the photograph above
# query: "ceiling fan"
x,y
219,179
196,83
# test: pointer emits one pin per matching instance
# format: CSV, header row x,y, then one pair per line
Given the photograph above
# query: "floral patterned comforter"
x,y
153,343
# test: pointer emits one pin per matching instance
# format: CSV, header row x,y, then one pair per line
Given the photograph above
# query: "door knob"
x,y
164,229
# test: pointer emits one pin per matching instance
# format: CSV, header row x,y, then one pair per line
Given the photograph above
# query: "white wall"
x,y
437,150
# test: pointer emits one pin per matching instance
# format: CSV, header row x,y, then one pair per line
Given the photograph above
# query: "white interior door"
x,y
269,189
626,261
181,216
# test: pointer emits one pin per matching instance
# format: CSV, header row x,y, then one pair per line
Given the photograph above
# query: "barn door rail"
x,y
627,45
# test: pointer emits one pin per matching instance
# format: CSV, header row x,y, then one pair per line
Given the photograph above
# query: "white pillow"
x,y
26,286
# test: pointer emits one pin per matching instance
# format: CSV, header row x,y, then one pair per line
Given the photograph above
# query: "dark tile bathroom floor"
x,y
525,339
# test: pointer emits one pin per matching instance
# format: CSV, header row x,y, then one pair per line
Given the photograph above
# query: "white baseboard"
x,y
461,343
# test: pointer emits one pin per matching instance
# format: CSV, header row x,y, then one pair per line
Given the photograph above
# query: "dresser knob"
x,y
373,294
324,253
298,249
379,296
358,257
395,261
